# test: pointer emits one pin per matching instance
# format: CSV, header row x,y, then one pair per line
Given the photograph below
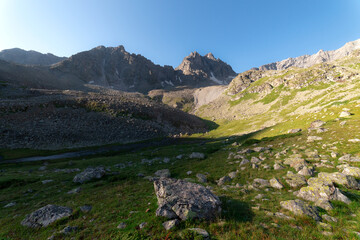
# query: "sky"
x,y
243,33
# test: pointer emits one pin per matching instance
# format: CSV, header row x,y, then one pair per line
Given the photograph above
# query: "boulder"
x,y
340,178
321,189
45,216
296,163
89,174
275,183
232,175
170,224
352,171
345,114
295,180
307,171
261,183
299,207
317,124
163,173
244,161
185,200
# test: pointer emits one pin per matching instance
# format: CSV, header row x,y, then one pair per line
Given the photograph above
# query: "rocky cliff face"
x,y
20,56
204,68
310,60
118,69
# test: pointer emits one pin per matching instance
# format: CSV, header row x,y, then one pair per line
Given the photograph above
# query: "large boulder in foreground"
x,y
299,207
89,174
45,216
185,200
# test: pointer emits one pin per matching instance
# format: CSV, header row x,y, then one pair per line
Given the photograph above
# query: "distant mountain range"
x,y
20,56
310,60
112,67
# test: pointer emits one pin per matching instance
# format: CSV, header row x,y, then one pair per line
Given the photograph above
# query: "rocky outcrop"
x,y
185,200
45,216
20,56
207,67
310,60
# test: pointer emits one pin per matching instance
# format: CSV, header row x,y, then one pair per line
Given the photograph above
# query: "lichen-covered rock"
x,y
295,180
352,171
321,189
261,183
299,207
89,174
45,216
185,200
275,183
307,171
324,204
340,178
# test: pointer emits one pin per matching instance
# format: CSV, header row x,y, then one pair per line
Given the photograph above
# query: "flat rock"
x,y
299,207
89,174
295,180
185,200
45,216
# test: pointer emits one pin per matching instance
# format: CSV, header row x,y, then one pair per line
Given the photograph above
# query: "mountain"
x,y
205,68
20,56
310,60
113,67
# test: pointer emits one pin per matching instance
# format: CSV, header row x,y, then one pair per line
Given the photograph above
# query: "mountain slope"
x,y
20,56
310,60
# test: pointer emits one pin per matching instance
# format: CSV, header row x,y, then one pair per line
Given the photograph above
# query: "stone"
x,y
89,174
307,171
197,155
42,168
299,207
259,149
275,183
317,124
329,218
244,161
185,200
261,183
47,181
180,156
255,160
122,225
142,225
163,173
75,190
314,138
200,232
46,215
10,205
224,180
296,163
321,189
189,172
342,123
340,178
352,171
295,130
68,230
86,208
324,204
334,155
278,166
295,180
325,226
201,178
170,224
345,114
232,175
354,140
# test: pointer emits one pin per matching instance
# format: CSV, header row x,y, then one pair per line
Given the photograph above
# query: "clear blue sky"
x,y
244,33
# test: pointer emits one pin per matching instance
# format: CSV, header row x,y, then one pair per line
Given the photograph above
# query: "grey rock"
x,y
275,183
307,171
201,178
185,200
255,160
197,155
89,174
314,138
68,230
75,190
122,225
324,204
340,178
223,180
261,183
232,175
10,205
45,216
295,180
278,166
163,173
47,181
329,218
299,207
344,114
142,225
200,232
170,224
189,172
86,208
244,161
317,124
295,130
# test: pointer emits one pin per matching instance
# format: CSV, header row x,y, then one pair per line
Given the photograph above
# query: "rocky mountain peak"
x,y
210,56
20,56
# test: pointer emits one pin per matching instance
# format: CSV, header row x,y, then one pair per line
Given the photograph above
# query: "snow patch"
x,y
214,79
